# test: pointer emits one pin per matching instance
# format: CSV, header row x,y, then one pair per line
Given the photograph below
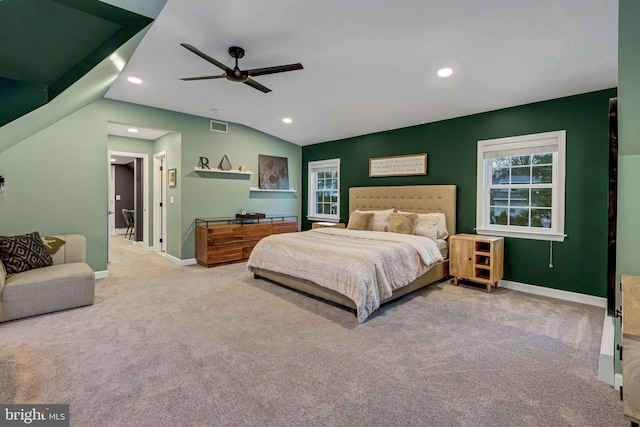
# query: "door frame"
x,y
145,196
160,194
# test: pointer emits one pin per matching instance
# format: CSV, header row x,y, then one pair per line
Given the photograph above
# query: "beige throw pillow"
x,y
432,225
380,219
360,221
403,223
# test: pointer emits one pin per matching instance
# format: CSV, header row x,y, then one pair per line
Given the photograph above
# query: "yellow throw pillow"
x,y
403,223
360,221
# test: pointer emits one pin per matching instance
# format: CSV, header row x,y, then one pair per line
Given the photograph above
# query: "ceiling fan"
x,y
236,74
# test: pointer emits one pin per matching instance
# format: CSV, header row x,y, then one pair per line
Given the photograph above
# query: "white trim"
x,y
159,193
182,262
606,361
332,220
102,274
483,179
311,208
555,293
145,196
617,381
522,234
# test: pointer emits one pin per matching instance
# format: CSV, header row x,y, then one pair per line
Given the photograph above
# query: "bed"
x,y
266,258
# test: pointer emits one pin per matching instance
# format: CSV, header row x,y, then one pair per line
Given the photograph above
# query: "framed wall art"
x,y
413,164
273,172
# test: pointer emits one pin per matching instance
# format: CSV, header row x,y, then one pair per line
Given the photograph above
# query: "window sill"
x,y
553,237
323,218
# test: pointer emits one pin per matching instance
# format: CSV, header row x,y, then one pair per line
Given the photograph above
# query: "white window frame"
x,y
512,146
314,168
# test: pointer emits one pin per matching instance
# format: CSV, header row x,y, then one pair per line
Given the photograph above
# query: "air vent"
x,y
218,126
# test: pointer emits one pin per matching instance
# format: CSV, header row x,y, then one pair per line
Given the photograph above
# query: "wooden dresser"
x,y
226,240
631,347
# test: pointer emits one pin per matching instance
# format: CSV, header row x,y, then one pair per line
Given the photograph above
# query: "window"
x,y
324,190
521,186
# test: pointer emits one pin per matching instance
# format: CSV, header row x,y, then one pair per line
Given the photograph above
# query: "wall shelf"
x,y
291,190
216,170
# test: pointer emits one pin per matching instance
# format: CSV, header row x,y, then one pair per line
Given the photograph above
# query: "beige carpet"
x,y
187,346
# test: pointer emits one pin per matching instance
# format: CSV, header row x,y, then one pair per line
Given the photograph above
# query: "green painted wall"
x,y
628,237
220,195
629,136
199,195
56,182
451,146
18,98
56,179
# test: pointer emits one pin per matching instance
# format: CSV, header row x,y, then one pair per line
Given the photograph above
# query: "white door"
x,y
159,201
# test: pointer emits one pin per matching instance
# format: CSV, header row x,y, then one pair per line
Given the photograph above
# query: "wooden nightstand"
x,y
328,224
476,258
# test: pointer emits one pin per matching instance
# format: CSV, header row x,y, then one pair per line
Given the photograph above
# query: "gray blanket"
x,y
365,266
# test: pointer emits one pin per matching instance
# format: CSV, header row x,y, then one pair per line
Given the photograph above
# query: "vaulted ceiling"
x,y
369,65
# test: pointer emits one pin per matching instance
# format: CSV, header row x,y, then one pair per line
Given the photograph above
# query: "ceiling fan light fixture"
x,y
134,80
445,72
287,120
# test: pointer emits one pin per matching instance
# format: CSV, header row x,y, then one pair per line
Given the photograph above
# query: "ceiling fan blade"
x,y
254,84
205,57
276,69
220,76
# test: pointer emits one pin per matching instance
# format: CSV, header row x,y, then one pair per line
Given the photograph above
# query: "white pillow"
x,y
427,222
442,225
380,219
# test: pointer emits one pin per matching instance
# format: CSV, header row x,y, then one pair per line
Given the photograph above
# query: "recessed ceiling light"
x,y
133,130
287,120
445,72
134,80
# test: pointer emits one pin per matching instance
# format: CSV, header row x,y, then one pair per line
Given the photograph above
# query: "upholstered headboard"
x,y
412,198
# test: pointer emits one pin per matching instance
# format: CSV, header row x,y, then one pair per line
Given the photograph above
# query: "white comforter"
x,y
365,266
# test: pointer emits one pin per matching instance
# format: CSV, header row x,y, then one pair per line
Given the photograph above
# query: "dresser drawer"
x,y
221,254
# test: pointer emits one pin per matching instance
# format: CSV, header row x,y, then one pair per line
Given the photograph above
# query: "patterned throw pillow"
x,y
22,253
53,244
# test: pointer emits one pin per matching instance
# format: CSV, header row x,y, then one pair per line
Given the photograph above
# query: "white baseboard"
x,y
183,262
555,293
618,382
101,274
606,362
119,231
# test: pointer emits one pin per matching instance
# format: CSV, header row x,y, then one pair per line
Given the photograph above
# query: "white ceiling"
x,y
370,65
133,131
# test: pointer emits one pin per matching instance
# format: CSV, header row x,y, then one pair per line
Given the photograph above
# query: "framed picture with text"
x,y
413,164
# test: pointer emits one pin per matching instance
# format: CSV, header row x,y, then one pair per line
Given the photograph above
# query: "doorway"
x,y
139,164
